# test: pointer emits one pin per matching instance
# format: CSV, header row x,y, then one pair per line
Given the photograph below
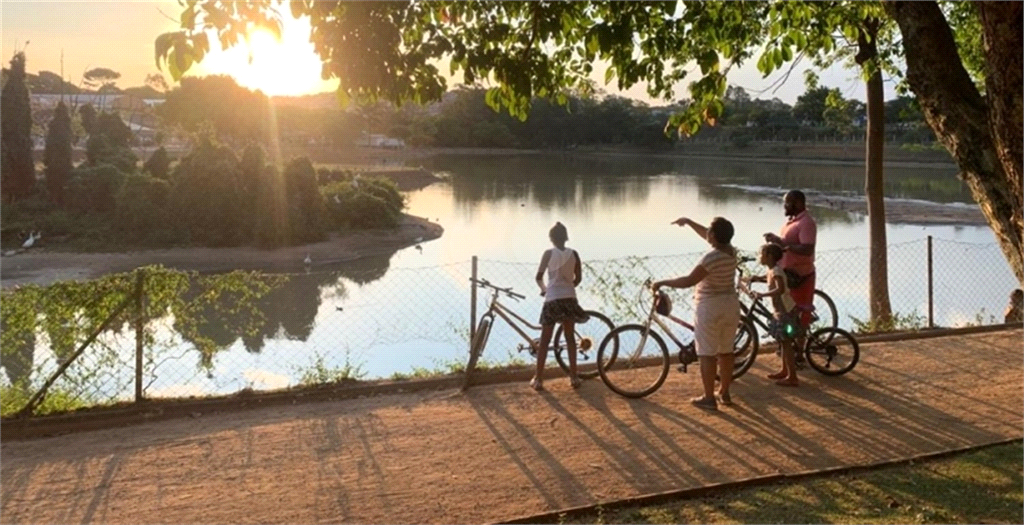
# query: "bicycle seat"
x,y
663,303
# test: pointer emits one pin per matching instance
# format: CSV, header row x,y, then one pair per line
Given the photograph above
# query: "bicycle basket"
x,y
663,303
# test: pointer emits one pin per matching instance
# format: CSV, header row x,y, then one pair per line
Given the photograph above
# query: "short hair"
x,y
773,250
798,196
558,233
722,230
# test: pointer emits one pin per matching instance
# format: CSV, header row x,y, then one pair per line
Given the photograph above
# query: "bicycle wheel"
x,y
640,367
832,351
824,315
745,348
593,331
483,330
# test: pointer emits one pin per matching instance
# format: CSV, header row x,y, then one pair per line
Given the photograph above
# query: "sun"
x,y
285,67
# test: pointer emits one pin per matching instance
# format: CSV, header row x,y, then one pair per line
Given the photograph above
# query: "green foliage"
x,y
17,169
305,203
912,322
69,312
206,196
142,212
93,190
14,398
233,111
319,373
159,164
365,203
57,156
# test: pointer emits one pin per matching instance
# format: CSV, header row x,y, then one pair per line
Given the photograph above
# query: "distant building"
x,y
380,141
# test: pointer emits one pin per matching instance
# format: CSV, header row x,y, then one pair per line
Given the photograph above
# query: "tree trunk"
x,y
984,138
874,175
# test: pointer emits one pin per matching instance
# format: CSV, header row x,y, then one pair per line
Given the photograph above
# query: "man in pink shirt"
x,y
799,235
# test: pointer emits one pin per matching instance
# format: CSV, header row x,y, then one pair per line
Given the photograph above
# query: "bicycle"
x,y
639,360
823,346
598,326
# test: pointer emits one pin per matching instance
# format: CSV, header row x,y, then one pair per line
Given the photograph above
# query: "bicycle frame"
x,y
508,315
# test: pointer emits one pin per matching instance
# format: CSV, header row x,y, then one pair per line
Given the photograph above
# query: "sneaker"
x,y
704,403
537,384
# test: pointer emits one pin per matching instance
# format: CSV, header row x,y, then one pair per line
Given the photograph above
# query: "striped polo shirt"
x,y
721,278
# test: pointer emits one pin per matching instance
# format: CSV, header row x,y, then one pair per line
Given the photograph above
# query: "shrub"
x,y
95,189
376,203
142,215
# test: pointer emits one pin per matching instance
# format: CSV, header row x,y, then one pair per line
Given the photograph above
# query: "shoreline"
x,y
45,266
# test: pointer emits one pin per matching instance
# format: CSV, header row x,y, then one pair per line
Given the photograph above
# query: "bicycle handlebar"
x,y
484,283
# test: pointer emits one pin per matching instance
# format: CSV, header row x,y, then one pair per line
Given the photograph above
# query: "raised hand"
x,y
682,221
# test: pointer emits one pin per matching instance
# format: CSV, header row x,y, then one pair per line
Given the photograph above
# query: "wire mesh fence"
x,y
349,324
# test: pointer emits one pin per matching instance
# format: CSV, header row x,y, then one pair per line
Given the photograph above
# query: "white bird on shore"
x,y
418,247
32,237
355,181
308,260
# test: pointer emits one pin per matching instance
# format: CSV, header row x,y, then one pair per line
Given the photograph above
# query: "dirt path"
x,y
503,451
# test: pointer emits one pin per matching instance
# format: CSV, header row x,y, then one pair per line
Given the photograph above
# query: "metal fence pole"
x,y
140,330
931,289
472,306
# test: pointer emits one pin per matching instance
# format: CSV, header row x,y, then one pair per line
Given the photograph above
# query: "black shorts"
x,y
562,311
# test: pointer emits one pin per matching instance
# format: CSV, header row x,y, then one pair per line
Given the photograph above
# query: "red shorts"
x,y
803,296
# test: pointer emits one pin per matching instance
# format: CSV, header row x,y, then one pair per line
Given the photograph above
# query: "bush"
x,y
142,215
376,203
95,189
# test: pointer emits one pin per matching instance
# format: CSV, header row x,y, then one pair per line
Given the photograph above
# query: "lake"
x,y
411,309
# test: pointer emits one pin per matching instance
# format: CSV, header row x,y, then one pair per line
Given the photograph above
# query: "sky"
x,y
120,36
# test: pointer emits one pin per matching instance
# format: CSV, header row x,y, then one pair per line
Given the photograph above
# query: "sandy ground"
x,y
502,451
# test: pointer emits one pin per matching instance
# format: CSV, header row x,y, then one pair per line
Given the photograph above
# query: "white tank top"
x,y
561,274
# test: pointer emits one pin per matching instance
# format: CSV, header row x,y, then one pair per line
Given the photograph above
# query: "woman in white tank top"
x,y
564,272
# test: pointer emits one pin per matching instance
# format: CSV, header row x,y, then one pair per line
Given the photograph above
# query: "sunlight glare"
x,y
288,67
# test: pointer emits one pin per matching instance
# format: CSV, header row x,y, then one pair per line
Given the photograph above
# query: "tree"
x,y
983,134
810,106
388,50
57,157
88,114
101,79
159,164
236,114
17,170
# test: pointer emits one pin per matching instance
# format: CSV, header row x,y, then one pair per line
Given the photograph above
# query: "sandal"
x,y
537,384
704,403
788,382
777,375
725,399
575,382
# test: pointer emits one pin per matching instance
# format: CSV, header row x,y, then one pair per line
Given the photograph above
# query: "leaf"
x,y
342,95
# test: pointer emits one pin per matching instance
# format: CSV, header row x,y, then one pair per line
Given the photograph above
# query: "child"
x,y
1015,310
784,306
560,306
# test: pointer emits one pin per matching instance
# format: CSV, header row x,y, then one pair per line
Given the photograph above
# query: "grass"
x,y
982,486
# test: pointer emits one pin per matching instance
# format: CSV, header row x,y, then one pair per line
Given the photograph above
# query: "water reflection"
x,y
287,312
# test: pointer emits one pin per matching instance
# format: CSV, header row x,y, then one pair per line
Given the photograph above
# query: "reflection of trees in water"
x,y
18,358
549,180
559,180
289,311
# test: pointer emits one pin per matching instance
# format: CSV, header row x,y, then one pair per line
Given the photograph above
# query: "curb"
x,y
159,410
673,495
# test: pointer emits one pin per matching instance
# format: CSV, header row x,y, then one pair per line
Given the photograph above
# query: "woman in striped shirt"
x,y
717,308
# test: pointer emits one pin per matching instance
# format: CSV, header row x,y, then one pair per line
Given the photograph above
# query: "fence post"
x,y
140,330
472,306
931,297
472,331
